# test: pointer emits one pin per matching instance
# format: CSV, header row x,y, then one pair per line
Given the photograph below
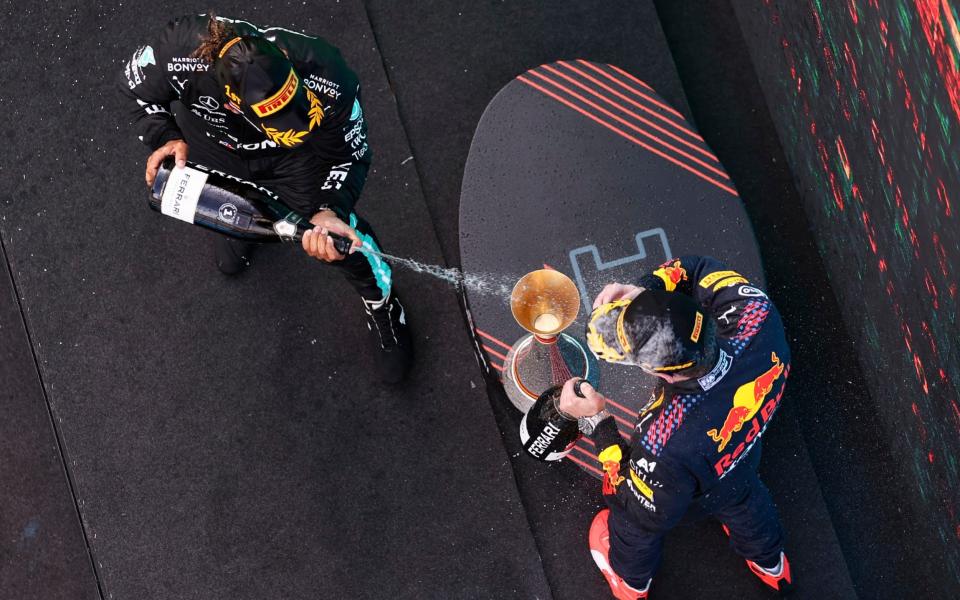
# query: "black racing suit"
x,y
174,96
696,444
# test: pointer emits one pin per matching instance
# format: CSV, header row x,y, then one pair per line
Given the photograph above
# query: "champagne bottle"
x,y
229,205
546,432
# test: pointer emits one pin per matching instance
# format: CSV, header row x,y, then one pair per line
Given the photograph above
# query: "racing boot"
x,y
779,577
387,320
600,550
232,255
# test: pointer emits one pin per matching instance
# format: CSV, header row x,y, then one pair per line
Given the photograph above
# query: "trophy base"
x,y
532,367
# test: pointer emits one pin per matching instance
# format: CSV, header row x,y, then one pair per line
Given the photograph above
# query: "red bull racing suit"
x,y
175,96
695,447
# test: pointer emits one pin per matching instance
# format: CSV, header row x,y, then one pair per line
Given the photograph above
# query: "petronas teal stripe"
x,y
381,270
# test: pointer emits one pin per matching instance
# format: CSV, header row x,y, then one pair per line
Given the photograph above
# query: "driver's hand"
x,y
615,291
577,407
175,148
318,244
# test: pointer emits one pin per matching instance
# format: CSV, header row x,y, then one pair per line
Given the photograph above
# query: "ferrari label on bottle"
x,y
181,193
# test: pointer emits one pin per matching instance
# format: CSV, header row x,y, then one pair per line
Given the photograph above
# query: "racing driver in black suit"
x,y
718,347
282,110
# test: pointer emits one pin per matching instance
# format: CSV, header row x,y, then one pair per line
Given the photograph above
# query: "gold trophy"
x,y
545,302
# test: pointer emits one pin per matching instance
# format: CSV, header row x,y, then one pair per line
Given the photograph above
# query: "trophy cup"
x,y
545,302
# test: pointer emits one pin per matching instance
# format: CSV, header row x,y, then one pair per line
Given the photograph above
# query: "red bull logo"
x,y
671,273
747,400
611,477
610,460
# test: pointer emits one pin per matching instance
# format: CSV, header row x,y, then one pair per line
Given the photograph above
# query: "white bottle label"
x,y
182,192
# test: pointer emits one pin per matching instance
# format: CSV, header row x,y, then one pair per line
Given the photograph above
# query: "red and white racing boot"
x,y
778,578
600,549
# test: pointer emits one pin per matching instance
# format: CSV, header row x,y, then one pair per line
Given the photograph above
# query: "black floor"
x,y
222,437
43,553
885,544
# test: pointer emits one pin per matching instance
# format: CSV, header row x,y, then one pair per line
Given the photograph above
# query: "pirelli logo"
x,y
280,99
697,327
716,276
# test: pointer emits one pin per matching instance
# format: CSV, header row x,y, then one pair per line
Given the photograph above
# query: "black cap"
x,y
663,332
259,80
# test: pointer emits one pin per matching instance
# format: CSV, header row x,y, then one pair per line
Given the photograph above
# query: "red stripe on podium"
x,y
494,352
696,147
623,408
639,130
627,136
491,338
662,105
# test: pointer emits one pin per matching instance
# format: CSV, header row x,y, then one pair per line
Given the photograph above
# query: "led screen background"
x,y
865,95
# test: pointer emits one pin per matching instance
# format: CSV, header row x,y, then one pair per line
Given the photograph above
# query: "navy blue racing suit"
x,y
695,447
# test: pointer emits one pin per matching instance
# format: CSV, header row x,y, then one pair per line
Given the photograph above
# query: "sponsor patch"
x,y
209,103
323,86
697,327
655,401
232,96
641,486
151,109
280,99
336,175
726,314
647,466
640,494
716,276
646,413
610,460
748,291
671,273
717,373
731,281
747,400
181,67
758,425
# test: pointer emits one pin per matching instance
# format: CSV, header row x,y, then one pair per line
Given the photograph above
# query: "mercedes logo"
x,y
209,102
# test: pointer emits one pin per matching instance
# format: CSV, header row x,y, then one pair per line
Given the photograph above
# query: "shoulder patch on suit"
x,y
716,276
